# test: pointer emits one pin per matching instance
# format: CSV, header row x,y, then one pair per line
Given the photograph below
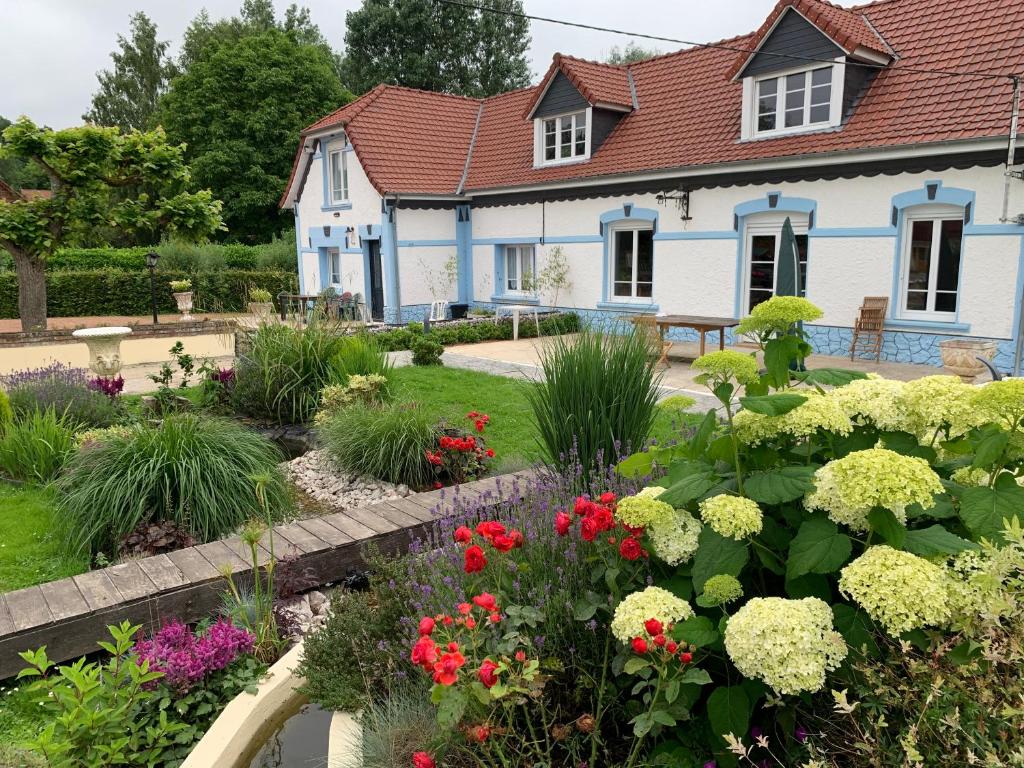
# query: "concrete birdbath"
x,y
104,348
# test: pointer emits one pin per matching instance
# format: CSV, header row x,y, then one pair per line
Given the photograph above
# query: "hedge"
x,y
469,333
82,293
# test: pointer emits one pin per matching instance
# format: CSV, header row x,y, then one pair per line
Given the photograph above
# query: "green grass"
x,y
31,551
20,722
452,392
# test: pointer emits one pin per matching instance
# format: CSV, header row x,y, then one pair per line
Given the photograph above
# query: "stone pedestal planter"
x,y
261,310
960,357
184,300
104,348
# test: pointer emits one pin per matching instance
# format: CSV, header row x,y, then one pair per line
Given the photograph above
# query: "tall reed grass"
x,y
35,446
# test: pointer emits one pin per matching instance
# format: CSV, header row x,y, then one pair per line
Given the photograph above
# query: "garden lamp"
x,y
151,259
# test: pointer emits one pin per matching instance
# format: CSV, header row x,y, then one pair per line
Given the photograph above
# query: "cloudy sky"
x,y
50,50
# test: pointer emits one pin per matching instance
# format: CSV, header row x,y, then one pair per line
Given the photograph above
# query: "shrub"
x,y
63,389
397,339
6,413
426,351
389,443
598,397
192,469
260,295
362,355
281,376
179,286
34,447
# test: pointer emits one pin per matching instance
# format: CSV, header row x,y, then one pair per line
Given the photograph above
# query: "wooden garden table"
x,y
700,324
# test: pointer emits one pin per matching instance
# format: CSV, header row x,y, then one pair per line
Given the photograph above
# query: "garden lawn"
x,y
20,721
451,393
31,551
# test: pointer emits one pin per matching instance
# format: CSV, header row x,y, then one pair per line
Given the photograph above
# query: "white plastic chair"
x,y
438,311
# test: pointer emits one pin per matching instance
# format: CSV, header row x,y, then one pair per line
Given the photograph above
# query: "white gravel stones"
x,y
315,474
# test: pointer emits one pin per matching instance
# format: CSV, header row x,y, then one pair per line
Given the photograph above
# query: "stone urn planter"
x,y
104,348
960,357
261,310
184,300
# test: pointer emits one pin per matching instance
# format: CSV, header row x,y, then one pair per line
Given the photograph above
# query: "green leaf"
x,y
699,442
584,609
818,547
717,554
990,446
696,630
773,405
984,509
451,704
642,724
778,354
884,523
672,691
908,445
634,664
856,628
778,486
829,377
729,711
695,676
689,488
636,466
942,509
935,540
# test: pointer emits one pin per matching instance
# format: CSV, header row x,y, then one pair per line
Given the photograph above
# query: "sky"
x,y
51,50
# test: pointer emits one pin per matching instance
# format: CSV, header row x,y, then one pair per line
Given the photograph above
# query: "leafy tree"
x,y
631,53
239,109
128,95
19,173
88,168
436,46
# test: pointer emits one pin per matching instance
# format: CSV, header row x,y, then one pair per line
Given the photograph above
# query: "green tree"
x,y
20,173
88,169
436,46
128,95
239,108
631,53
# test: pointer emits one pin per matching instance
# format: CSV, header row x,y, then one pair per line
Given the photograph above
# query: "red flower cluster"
x,y
493,533
422,760
461,457
597,517
444,661
480,420
658,640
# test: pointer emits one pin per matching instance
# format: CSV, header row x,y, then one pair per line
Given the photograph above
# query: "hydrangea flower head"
x,y
721,589
932,402
678,403
643,510
898,590
1001,401
788,644
734,517
651,603
874,400
777,315
970,477
674,539
724,365
849,487
818,412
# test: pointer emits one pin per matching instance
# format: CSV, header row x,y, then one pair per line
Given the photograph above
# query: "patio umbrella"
x,y
788,273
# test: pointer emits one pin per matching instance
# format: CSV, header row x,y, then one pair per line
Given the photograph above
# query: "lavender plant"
x,y
63,389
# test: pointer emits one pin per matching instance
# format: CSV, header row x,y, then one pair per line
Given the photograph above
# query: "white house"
x,y
882,132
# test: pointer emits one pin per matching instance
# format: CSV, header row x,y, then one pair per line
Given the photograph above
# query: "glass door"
x,y
763,241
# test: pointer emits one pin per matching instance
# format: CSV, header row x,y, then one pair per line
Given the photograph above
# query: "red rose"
x,y
480,733
671,646
422,760
479,425
426,625
464,608
437,485
639,645
562,523
446,620
490,453
503,543
604,518
653,627
445,442
494,618
470,622
424,652
486,674
520,656
582,506
686,657
630,548
463,535
490,528
517,538
607,497
660,640
475,560
588,529
487,601
453,647
446,671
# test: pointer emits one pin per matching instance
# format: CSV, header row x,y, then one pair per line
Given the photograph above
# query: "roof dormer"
x,y
808,63
576,106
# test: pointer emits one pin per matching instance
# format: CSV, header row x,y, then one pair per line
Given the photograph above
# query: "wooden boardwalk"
x,y
70,615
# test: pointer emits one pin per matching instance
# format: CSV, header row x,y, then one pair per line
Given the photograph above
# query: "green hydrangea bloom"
x,y
777,316
678,403
849,487
932,402
820,412
651,603
872,400
720,590
724,365
898,590
674,540
787,644
734,517
971,477
1001,402
644,510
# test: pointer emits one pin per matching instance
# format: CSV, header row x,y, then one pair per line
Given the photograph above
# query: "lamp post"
x,y
151,259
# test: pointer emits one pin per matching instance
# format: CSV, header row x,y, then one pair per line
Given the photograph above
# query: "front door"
x,y
762,252
376,282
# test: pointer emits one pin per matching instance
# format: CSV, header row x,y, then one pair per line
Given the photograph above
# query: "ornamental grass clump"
x,y
899,590
787,644
34,447
849,488
193,469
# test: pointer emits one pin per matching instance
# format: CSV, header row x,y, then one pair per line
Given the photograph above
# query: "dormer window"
x,y
563,138
793,101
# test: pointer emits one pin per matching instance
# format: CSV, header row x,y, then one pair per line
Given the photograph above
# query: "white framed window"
x,y
334,267
520,268
338,170
793,101
930,279
631,252
761,268
563,138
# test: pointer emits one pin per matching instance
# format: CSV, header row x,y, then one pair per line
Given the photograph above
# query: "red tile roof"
x,y
689,110
848,28
597,83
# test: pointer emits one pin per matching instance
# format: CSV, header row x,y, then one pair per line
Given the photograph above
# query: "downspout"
x,y
1011,153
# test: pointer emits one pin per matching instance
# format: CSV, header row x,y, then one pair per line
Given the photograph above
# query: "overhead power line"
x,y
727,47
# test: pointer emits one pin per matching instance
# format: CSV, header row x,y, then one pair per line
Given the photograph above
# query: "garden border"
x,y
68,616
